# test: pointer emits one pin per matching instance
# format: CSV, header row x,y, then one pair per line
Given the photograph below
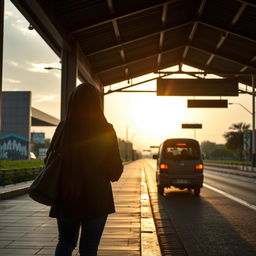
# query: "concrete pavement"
x,y
26,229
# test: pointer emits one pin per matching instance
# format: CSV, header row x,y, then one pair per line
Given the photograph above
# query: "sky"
x,y
146,119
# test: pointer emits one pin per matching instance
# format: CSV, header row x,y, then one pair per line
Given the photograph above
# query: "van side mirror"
x,y
155,156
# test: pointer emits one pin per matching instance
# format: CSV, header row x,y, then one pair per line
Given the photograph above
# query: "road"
x,y
213,224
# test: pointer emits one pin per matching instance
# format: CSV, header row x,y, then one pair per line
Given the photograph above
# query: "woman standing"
x,y
91,160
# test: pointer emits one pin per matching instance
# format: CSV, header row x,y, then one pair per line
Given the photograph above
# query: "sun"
x,y
158,115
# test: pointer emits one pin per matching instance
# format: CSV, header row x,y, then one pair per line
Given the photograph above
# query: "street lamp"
x,y
232,103
50,68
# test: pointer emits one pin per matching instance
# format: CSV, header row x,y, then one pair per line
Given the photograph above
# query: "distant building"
x,y
13,147
17,118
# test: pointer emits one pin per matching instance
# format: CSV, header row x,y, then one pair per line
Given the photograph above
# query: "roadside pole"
x,y
253,122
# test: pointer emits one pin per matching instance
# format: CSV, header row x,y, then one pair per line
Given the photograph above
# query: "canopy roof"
x,y
122,39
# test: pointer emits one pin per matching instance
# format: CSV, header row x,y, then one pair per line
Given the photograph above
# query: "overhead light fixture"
x,y
30,27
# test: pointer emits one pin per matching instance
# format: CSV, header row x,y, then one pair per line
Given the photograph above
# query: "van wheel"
x,y
160,189
197,191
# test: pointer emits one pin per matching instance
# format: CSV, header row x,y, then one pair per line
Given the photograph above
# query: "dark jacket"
x,y
99,165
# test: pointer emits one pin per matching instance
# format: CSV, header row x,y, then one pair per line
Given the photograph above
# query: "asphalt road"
x,y
213,224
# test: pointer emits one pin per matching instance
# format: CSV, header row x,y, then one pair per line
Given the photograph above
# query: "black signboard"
x,y
191,126
207,103
197,87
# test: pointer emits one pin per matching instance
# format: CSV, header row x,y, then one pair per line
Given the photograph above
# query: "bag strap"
x,y
56,139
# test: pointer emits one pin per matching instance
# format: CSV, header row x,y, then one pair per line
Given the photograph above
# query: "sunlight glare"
x,y
152,114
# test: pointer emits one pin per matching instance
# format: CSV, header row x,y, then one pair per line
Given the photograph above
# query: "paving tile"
x,y
4,243
30,244
26,229
118,253
47,251
19,251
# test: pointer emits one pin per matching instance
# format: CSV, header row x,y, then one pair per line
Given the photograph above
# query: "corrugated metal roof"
x,y
122,39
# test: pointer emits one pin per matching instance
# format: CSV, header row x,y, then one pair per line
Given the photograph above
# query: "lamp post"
x,y
246,109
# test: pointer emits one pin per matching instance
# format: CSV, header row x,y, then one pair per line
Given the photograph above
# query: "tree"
x,y
207,148
234,137
222,153
215,151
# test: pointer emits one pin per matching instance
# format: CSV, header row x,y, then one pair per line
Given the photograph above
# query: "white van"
x,y
179,164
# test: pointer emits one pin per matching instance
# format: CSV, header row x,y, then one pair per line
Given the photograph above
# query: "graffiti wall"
x,y
13,147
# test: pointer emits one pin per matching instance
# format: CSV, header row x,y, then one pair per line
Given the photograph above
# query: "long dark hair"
x,y
84,112
85,121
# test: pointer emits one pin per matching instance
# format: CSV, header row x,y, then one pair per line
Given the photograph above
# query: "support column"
x,y
1,57
253,123
102,98
68,76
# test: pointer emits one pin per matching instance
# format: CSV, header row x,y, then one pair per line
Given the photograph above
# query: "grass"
x,y
15,171
20,164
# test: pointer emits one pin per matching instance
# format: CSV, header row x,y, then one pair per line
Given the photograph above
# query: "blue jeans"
x,y
90,236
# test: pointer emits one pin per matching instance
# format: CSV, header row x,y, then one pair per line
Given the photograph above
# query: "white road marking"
x,y
240,201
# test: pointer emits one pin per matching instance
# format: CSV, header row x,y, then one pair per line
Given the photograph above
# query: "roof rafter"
x,y
238,14
251,61
140,59
123,43
110,6
212,71
189,44
224,37
193,30
145,81
227,30
190,37
247,3
161,38
117,34
128,14
222,56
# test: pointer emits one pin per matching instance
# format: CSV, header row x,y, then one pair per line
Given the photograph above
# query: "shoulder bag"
x,y
44,188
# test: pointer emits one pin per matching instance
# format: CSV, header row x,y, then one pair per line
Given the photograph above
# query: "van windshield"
x,y
181,151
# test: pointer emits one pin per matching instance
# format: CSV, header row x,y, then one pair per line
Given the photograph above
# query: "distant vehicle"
x,y
179,164
32,156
